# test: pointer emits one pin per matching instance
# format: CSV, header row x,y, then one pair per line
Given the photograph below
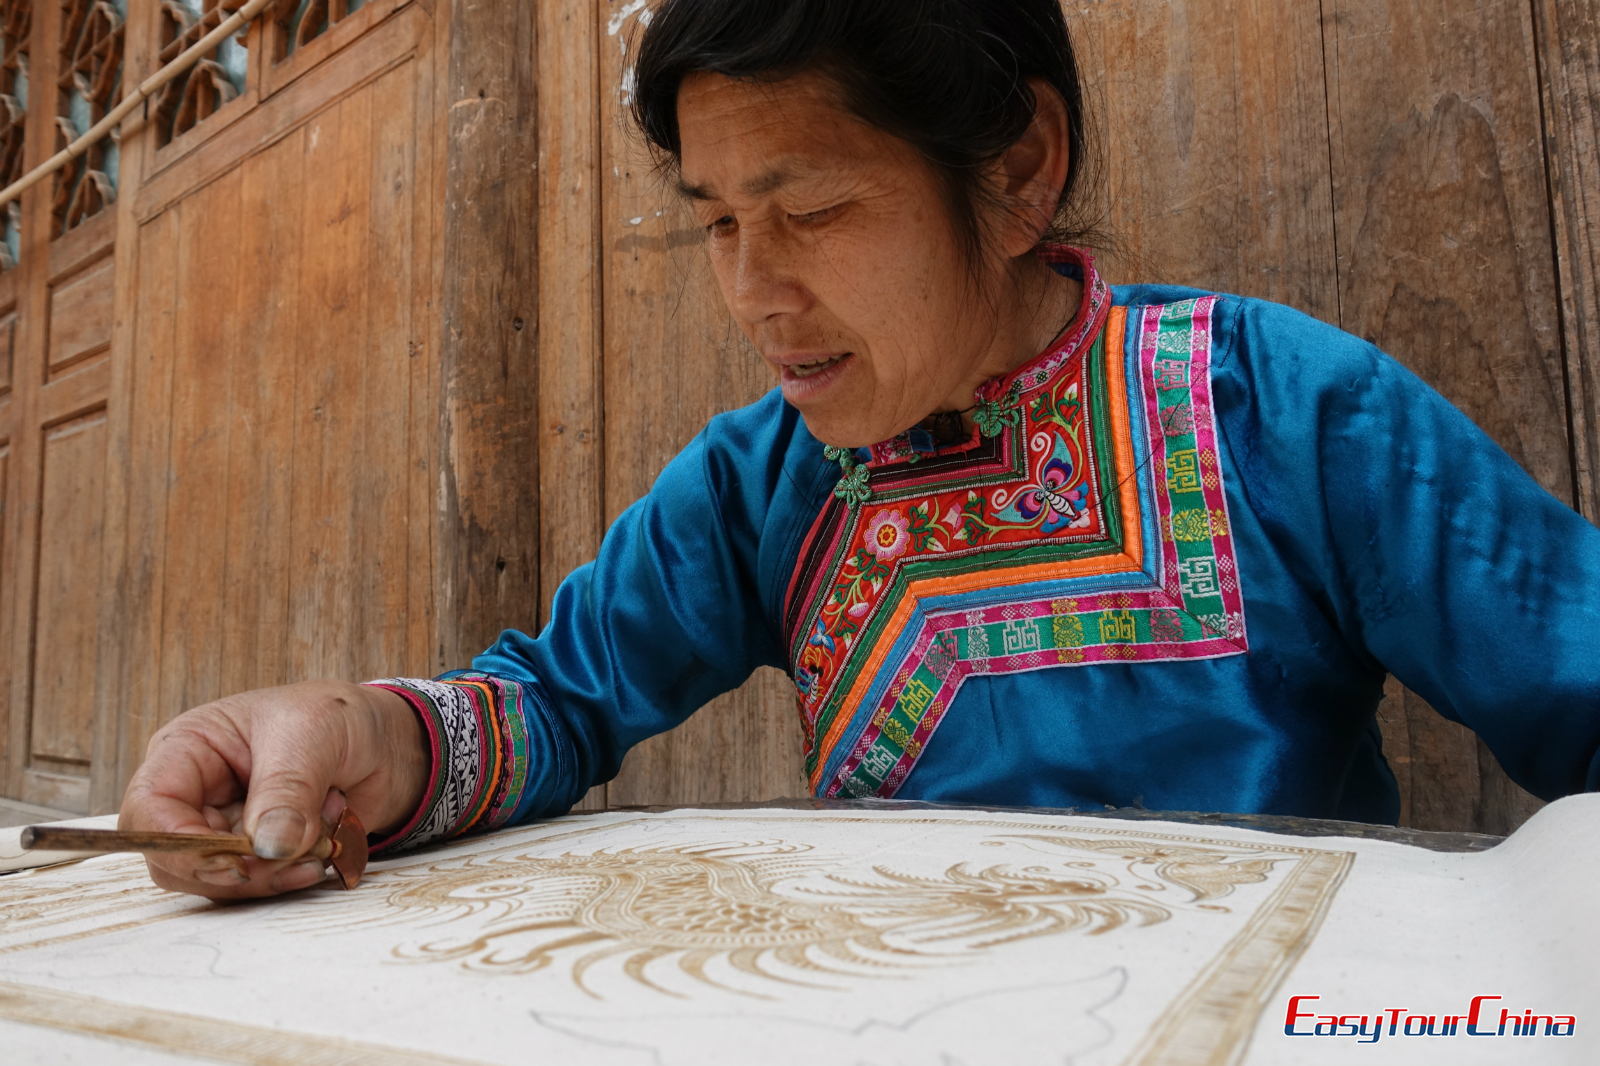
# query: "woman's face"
x,y
834,248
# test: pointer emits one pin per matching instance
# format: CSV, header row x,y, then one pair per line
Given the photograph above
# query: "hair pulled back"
x,y
949,77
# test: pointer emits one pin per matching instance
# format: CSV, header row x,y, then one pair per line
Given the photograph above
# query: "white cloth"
x,y
781,936
12,857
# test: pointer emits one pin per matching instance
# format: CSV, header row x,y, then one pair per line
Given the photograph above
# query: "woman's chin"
x,y
845,426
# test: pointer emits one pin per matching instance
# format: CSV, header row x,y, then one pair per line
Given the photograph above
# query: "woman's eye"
x,y
721,225
812,218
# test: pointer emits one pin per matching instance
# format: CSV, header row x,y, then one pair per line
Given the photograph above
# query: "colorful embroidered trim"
x,y
895,604
478,737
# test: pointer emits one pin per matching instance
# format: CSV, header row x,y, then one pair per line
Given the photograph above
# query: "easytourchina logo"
x,y
1485,1016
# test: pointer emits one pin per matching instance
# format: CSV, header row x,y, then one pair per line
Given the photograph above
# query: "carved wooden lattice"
x,y
90,84
300,22
190,100
16,19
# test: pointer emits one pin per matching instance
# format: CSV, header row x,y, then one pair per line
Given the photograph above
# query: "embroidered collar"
x,y
1094,530
997,400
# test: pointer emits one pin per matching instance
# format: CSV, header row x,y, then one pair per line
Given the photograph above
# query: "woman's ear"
x,y
1033,171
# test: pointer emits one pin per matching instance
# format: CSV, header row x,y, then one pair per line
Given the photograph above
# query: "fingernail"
x,y
213,863
300,875
278,833
224,878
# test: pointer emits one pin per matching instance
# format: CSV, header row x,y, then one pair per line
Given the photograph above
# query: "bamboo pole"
x,y
146,89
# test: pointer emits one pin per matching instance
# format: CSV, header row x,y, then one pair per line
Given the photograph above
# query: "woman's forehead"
x,y
744,138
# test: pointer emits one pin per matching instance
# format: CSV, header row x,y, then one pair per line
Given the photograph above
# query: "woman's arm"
x,y
1438,555
680,606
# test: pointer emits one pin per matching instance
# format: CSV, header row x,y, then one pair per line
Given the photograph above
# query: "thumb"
x,y
292,768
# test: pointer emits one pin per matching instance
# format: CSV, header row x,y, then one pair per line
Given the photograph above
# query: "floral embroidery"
x,y
1054,497
889,535
1106,482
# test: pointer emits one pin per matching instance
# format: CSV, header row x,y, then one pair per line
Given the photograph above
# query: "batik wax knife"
x,y
343,847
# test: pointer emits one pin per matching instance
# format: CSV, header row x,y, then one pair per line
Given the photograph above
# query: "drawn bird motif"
x,y
769,910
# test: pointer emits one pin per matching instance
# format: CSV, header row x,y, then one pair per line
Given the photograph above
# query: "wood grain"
x,y
275,484
384,480
128,689
1567,33
430,60
571,420
330,340
744,746
118,622
488,539
202,399
1210,121
254,628
32,280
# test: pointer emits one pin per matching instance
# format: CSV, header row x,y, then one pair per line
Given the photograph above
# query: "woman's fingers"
x,y
243,878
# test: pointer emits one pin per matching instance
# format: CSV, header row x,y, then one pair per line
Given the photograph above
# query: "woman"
x,y
1017,537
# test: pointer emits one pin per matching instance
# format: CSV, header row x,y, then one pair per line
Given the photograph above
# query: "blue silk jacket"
x,y
1171,568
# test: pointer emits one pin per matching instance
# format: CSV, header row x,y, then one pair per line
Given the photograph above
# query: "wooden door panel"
x,y
80,316
1569,64
406,37
199,409
67,602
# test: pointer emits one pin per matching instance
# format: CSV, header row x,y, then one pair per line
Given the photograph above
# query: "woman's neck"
x,y
1033,308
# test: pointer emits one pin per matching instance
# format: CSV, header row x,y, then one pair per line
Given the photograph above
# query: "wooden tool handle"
x,y
105,841
342,846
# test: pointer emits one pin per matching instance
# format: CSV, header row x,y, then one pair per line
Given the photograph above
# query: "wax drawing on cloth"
x,y
893,937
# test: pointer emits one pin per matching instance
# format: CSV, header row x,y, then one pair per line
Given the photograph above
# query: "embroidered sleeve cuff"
x,y
478,738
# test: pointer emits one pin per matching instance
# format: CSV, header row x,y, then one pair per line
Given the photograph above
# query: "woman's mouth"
x,y
804,382
805,370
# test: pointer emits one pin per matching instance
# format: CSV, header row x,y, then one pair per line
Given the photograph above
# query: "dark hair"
x,y
949,77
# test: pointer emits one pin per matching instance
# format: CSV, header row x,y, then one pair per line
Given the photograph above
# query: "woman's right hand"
x,y
274,764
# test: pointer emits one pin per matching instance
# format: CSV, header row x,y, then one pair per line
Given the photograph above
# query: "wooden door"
x,y
272,424
60,73
233,419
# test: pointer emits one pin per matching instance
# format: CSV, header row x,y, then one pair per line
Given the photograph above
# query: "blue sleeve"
x,y
681,605
1429,548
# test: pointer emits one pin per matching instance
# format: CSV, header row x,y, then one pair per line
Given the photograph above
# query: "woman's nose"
x,y
766,278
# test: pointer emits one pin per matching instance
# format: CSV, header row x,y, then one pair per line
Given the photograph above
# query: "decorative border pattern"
x,y
893,685
478,740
